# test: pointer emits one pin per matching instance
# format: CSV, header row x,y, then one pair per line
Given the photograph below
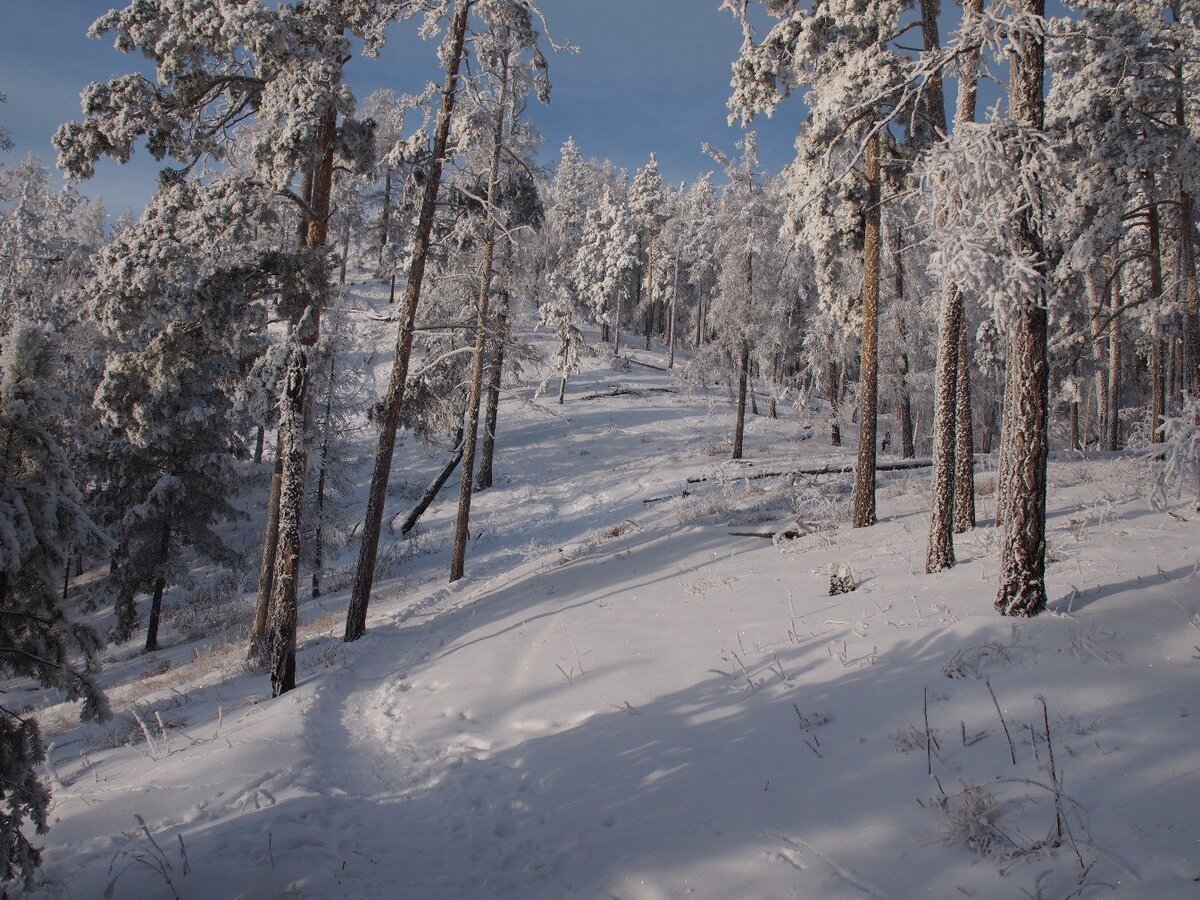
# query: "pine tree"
x,y
42,526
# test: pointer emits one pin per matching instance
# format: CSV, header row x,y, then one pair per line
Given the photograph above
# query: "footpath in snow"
x,y
624,699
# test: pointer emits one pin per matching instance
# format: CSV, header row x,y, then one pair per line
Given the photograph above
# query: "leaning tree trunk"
x,y
364,572
868,390
1023,549
160,587
462,523
281,634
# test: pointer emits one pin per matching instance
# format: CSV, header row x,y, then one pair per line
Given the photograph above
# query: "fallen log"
x,y
824,470
432,491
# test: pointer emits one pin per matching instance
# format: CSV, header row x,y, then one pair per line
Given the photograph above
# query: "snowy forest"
x,y
399,506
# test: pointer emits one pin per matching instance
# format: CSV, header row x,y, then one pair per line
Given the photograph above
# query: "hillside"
x,y
635,694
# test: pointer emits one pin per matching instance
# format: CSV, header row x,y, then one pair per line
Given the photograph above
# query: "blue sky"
x,y
650,75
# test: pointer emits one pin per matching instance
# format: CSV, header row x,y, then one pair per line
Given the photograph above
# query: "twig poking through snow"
x,y
1011,749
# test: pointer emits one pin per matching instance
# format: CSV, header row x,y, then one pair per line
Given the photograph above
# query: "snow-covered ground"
x,y
624,699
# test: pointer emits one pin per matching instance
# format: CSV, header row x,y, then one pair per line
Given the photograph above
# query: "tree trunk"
x,y
671,321
435,487
868,386
940,552
648,291
294,408
483,480
1023,549
259,438
345,253
364,573
1186,250
160,587
739,429
462,524
1114,371
1158,369
322,472
831,387
386,217
953,373
266,575
964,440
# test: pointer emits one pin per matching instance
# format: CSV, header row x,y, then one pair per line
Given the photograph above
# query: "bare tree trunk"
x,y
160,587
1114,370
322,472
1023,549
259,438
671,321
1158,377
462,524
739,429
1186,247
266,576
364,573
617,324
281,635
964,447
648,291
940,552
345,253
953,373
868,385
435,487
831,387
483,480
904,398
386,216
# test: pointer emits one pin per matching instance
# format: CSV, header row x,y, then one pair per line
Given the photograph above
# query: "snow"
x,y
622,699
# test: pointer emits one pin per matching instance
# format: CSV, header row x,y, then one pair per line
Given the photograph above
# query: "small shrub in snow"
x,y
841,580
973,813
216,608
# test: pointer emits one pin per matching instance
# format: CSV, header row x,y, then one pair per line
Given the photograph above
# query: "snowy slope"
x,y
623,699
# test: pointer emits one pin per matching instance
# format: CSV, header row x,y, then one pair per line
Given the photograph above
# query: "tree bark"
x,y
160,587
462,524
483,480
282,632
1158,369
831,387
322,472
1023,548
868,390
739,429
266,576
435,487
939,554
953,373
964,446
364,573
